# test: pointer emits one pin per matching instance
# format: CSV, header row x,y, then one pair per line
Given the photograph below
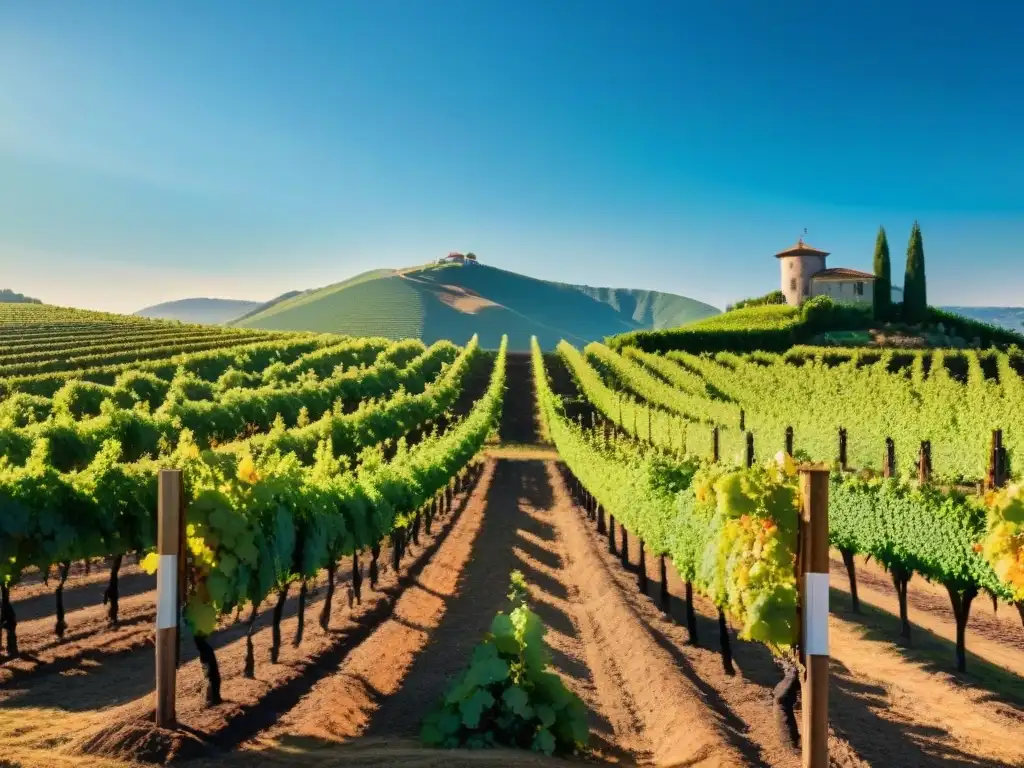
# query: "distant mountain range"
x,y
1010,318
451,301
206,311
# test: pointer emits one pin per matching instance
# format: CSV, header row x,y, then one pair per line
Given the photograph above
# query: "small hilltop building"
x,y
806,275
459,258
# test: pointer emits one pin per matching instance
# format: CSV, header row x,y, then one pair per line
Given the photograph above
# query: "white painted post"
x,y
814,614
169,541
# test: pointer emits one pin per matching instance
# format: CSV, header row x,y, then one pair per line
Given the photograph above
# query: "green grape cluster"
x,y
1003,546
749,565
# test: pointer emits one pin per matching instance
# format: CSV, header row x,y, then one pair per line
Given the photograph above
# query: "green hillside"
x,y
454,302
820,321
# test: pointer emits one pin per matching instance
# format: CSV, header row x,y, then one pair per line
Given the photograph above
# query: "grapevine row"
x,y
873,404
74,443
84,399
130,353
908,527
208,365
374,421
33,350
729,532
256,526
636,417
239,504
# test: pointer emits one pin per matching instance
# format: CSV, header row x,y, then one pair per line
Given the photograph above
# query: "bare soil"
x,y
519,517
889,706
994,631
563,385
98,696
518,415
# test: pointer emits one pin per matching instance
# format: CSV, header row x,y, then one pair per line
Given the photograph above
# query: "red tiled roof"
x,y
801,249
842,273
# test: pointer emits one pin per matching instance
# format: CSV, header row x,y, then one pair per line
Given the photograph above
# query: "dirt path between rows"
x,y
383,689
887,707
518,415
995,635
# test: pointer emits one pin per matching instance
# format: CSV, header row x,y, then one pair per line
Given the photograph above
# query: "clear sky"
x,y
152,151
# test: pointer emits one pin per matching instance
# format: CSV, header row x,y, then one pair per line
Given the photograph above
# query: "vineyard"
x,y
354,508
921,521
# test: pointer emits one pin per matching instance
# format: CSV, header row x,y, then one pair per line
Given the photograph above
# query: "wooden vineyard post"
x,y
750,449
814,614
889,467
924,463
743,419
714,445
843,456
995,477
168,547
789,441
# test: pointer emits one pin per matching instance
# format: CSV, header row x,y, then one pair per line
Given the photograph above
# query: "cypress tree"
x,y
915,293
883,277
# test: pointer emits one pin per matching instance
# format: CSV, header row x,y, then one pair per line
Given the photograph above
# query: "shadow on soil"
x,y
854,703
933,653
511,536
78,595
565,387
518,417
122,658
132,671
313,752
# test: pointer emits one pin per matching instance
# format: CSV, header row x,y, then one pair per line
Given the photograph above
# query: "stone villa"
x,y
804,275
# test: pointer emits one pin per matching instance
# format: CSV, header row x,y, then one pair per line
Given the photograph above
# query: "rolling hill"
x,y
454,302
206,311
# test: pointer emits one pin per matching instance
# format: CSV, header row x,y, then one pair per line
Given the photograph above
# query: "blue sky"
x,y
151,151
